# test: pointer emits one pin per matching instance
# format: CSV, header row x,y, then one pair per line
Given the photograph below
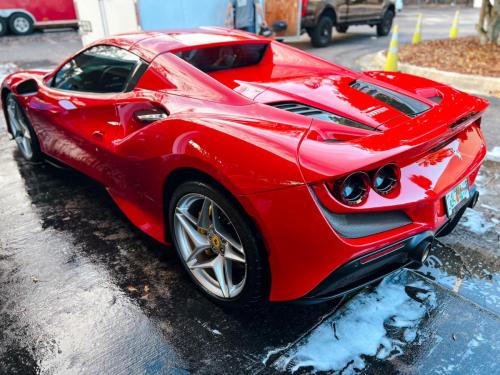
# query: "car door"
x,y
374,9
342,10
358,10
76,111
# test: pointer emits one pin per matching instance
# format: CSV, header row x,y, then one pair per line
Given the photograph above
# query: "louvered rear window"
x,y
403,103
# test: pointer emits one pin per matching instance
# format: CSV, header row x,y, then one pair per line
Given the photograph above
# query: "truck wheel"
x,y
3,26
341,28
20,24
384,27
321,35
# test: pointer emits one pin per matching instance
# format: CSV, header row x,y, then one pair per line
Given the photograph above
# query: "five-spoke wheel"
x,y
21,130
210,245
216,244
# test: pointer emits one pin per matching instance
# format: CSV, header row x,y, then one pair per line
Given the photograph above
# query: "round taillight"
x,y
386,179
353,190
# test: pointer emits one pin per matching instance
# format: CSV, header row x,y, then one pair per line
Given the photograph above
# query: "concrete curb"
x,y
474,84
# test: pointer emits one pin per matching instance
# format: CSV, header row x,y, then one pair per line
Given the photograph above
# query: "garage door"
x,y
161,14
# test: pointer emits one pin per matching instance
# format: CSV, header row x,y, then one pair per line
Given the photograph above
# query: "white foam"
x,y
359,329
432,266
476,222
494,154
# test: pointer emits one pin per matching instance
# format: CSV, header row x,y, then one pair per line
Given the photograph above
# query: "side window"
x,y
100,69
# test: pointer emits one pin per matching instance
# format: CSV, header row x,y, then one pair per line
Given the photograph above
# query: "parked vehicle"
x,y
277,175
21,17
319,17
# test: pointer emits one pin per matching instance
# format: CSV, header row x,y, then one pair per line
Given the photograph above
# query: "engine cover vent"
x,y
403,103
305,110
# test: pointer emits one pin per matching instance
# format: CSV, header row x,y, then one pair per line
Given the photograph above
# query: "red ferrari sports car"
x,y
275,174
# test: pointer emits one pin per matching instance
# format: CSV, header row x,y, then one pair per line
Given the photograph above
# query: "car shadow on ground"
x,y
82,289
145,273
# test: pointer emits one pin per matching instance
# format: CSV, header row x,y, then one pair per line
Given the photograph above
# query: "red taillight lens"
x,y
305,3
352,190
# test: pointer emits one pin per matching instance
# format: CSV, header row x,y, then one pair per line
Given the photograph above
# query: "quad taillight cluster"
x,y
353,189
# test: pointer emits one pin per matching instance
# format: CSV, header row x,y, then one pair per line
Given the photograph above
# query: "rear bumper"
x,y
369,268
306,247
362,271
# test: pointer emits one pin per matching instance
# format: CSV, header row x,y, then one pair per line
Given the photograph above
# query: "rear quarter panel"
x,y
236,147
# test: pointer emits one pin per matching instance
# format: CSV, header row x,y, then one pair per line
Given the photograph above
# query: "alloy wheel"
x,y
210,246
20,130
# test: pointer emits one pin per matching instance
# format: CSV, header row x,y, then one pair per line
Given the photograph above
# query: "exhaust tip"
x,y
423,250
426,251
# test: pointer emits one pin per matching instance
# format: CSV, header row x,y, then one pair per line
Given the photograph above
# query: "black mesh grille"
x,y
409,106
309,111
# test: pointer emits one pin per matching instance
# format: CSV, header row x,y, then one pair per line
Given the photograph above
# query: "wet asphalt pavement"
x,y
83,291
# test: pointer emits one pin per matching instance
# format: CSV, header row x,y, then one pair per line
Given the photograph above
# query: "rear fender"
x,y
245,155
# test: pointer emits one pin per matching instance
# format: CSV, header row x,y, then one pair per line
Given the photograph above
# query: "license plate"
x,y
455,198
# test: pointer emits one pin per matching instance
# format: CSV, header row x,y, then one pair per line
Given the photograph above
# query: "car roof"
x,y
148,45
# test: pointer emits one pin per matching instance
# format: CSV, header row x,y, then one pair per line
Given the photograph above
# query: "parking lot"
x,y
83,291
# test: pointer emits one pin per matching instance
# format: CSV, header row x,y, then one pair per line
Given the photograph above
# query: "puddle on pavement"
x,y
470,275
361,328
82,290
404,324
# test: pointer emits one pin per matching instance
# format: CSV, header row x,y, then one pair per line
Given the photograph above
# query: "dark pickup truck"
x,y
320,16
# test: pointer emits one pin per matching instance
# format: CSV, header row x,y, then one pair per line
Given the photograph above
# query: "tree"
x,y
489,22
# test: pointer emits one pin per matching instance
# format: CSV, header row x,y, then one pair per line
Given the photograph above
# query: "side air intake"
x,y
403,103
309,111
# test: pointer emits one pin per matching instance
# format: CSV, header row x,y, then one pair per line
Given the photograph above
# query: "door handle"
x,y
148,116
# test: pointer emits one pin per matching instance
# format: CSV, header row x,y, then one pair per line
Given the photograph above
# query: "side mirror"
x,y
26,88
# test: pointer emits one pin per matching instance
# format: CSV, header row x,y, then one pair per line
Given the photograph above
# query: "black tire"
x,y
384,27
36,154
3,26
309,31
20,24
256,288
341,28
321,34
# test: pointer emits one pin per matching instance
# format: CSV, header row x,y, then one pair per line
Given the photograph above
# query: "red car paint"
x,y
269,159
44,12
